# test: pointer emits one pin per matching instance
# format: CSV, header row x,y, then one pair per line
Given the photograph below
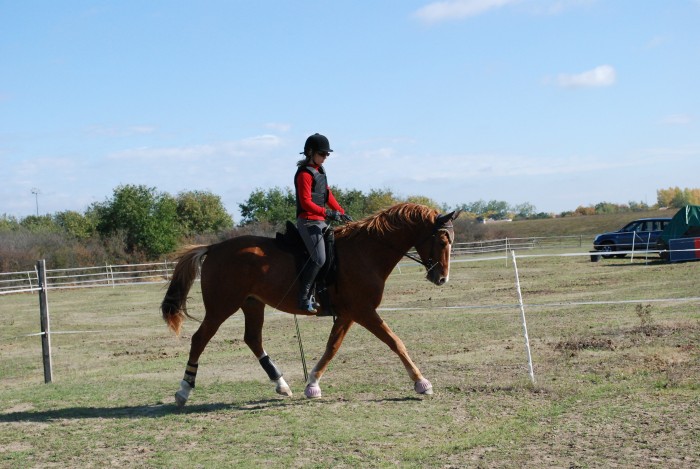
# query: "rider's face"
x,y
320,157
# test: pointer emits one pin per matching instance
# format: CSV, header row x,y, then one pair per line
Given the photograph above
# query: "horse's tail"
x,y
174,306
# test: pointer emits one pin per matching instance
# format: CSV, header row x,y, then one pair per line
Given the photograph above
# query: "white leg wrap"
x,y
183,393
282,387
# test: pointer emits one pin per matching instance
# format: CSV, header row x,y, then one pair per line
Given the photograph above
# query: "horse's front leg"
x,y
376,325
254,312
340,328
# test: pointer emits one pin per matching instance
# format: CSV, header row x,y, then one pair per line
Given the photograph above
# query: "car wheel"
x,y
607,247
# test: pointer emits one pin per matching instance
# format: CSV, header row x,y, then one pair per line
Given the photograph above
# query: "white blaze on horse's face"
x,y
435,255
439,272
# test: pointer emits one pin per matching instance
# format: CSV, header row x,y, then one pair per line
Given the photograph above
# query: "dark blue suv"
x,y
643,232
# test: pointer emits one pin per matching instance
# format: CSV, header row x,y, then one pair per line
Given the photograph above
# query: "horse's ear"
x,y
442,219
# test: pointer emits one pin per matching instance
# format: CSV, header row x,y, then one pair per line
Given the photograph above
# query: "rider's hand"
x,y
345,217
332,215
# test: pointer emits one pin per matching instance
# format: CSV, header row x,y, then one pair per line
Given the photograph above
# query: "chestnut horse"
x,y
248,272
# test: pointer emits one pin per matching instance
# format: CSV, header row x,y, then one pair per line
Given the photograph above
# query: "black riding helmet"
x,y
317,142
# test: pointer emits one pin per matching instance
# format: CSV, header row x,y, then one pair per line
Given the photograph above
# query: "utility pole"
x,y
35,191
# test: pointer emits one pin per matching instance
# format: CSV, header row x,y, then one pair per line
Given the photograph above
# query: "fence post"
x,y
45,324
522,316
110,274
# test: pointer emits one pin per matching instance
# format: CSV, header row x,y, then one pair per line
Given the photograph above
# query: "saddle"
x,y
290,241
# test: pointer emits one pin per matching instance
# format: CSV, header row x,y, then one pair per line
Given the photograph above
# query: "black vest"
x,y
319,186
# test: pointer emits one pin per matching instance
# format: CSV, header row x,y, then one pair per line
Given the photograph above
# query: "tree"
x,y
606,207
638,206
677,198
421,200
664,197
478,208
379,199
353,201
524,210
8,223
273,206
497,209
201,212
581,210
39,224
147,218
75,224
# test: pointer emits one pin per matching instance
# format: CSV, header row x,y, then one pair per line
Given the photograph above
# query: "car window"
x,y
638,226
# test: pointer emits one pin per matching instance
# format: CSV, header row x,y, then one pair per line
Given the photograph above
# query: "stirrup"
x,y
308,305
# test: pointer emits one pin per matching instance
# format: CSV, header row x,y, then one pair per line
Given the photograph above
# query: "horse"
x,y
249,272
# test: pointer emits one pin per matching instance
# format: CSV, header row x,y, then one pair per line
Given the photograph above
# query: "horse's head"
x,y
435,250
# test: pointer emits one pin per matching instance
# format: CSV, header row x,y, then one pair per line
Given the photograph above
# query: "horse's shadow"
x,y
137,412
160,410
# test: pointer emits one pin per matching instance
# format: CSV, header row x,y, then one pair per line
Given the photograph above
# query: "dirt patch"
x,y
588,343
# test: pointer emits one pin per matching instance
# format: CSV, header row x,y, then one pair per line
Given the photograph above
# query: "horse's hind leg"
x,y
381,330
338,332
200,339
254,312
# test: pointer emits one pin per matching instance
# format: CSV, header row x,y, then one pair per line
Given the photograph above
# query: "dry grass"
x,y
617,383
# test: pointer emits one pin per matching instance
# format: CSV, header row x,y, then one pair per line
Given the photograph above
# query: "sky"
x,y
555,103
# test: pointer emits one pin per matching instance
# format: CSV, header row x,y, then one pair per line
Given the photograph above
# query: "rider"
x,y
312,196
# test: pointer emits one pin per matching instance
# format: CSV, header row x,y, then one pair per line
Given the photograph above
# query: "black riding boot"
x,y
308,275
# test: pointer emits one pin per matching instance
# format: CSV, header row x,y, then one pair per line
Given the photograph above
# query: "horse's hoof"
x,y
183,393
180,399
423,386
283,391
312,391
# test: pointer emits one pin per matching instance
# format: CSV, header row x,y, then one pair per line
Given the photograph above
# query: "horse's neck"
x,y
395,244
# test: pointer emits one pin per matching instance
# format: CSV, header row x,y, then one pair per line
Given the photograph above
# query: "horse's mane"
x,y
390,219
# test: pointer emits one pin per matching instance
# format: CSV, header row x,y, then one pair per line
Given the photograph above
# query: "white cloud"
x,y
249,146
603,75
457,9
677,119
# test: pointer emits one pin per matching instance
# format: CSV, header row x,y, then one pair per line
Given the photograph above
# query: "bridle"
x,y
446,227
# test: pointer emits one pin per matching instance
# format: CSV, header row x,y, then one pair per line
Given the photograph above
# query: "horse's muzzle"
x,y
438,278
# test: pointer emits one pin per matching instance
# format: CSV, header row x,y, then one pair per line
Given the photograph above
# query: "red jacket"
x,y
310,210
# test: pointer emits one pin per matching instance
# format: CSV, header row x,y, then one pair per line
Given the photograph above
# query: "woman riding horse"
x,y
248,272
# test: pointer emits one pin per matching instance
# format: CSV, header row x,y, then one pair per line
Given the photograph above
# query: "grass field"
x,y
616,361
587,226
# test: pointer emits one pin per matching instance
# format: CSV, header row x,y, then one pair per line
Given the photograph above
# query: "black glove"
x,y
345,217
332,215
